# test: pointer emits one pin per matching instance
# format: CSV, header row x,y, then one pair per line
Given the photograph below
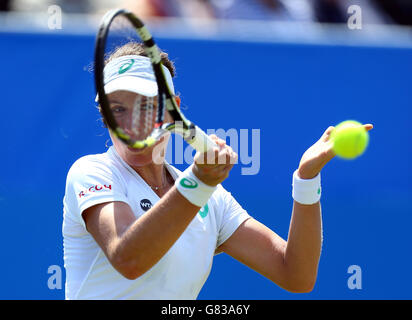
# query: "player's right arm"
x,y
133,245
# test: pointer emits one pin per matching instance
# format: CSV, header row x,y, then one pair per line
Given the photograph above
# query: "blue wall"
x,y
294,91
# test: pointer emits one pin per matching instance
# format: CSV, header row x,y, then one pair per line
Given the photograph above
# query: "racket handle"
x,y
201,141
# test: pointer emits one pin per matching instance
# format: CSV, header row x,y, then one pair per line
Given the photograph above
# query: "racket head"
x,y
137,117
139,123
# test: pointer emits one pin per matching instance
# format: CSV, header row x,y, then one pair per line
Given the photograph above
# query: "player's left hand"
x,y
318,155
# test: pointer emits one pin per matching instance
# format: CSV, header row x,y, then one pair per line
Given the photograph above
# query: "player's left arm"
x,y
291,264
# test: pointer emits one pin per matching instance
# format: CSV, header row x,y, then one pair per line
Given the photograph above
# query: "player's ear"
x,y
177,98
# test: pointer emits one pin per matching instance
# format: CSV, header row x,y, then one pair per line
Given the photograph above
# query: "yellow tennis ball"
x,y
349,139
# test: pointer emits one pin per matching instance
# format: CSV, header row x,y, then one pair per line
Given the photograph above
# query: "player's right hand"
x,y
213,167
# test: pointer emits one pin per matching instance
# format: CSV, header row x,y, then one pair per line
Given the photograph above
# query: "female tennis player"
x,y
136,228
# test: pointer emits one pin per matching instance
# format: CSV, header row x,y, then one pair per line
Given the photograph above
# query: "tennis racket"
x,y
141,123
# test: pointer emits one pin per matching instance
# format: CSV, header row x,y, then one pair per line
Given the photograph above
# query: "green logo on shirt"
x,y
188,183
204,211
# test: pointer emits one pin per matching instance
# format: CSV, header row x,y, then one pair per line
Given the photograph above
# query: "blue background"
x,y
292,92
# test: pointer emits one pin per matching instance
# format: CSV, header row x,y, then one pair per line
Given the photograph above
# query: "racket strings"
x,y
143,117
136,116
139,120
149,115
121,32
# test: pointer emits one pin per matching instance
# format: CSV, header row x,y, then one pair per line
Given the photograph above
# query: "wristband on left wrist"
x,y
306,191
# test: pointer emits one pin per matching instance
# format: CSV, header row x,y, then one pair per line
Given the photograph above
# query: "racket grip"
x,y
201,141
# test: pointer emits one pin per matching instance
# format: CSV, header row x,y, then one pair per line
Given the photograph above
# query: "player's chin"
x,y
147,150
146,156
137,151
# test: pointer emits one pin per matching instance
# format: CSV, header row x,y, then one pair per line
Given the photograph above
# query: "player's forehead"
x,y
123,96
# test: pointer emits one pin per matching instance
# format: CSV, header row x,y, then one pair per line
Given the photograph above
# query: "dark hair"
x,y
136,48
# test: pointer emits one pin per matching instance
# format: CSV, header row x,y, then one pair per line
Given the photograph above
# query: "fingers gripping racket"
x,y
142,123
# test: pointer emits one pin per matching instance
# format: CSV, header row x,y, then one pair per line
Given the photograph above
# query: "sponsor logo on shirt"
x,y
96,188
204,211
145,204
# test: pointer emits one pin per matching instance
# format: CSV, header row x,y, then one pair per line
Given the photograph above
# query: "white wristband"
x,y
306,191
194,190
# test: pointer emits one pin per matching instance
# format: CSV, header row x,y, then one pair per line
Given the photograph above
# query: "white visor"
x,y
133,73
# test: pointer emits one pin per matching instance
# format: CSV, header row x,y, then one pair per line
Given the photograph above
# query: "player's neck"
x,y
155,175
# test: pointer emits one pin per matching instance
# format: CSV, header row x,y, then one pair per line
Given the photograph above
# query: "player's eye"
x,y
118,110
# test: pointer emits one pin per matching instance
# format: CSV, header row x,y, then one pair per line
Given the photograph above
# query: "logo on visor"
x,y
126,66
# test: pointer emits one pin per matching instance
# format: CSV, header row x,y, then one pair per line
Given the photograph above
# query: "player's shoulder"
x,y
90,160
90,163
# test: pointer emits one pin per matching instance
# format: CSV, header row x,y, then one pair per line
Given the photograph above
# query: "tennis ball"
x,y
349,139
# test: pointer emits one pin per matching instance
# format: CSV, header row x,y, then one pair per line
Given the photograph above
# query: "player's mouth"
x,y
142,150
135,150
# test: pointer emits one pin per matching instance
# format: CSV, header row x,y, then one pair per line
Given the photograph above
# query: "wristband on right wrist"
x,y
194,190
306,191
